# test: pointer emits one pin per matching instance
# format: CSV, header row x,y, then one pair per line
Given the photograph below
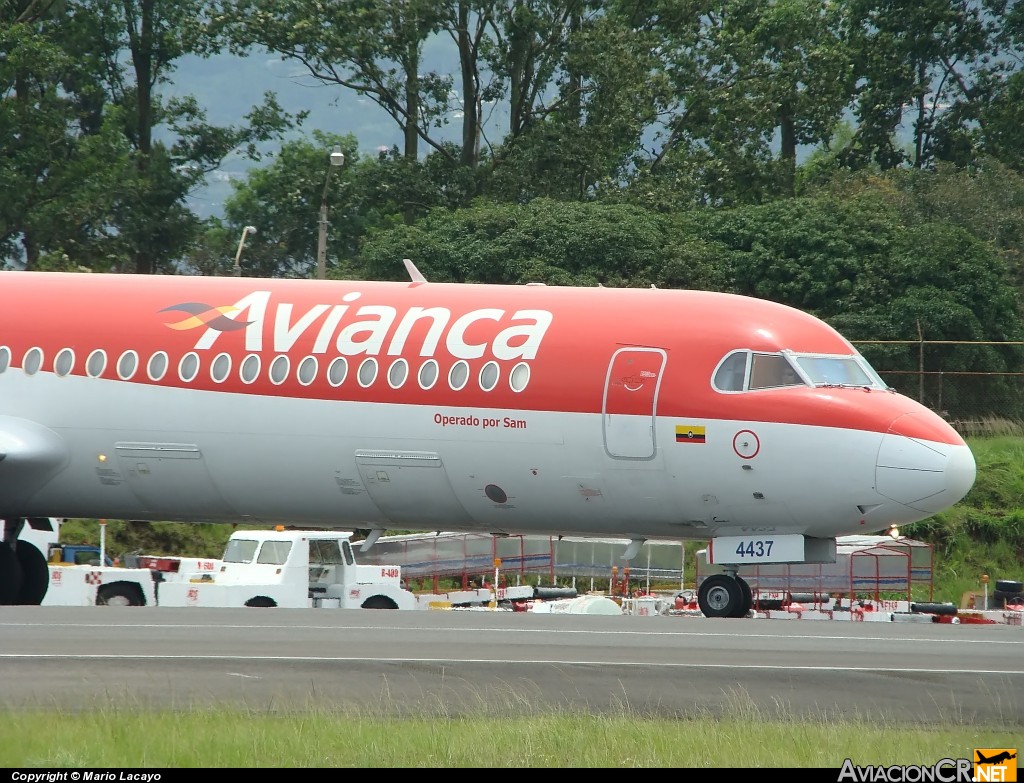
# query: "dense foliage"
x,y
709,102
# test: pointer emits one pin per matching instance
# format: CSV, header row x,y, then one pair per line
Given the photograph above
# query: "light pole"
x,y
237,271
337,160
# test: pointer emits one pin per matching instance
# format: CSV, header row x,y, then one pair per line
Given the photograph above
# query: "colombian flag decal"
x,y
690,433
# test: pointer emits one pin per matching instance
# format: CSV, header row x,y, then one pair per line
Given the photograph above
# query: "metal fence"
x,y
471,556
873,567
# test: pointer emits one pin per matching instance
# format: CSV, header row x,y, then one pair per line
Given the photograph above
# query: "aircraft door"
x,y
631,402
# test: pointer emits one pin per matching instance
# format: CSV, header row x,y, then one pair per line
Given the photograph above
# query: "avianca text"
x,y
374,329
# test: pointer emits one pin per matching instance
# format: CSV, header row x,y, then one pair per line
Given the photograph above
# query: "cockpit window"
x,y
771,370
835,371
732,372
745,370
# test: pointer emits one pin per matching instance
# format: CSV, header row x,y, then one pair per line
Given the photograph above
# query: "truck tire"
x,y
1009,586
801,598
261,601
1000,599
944,610
552,593
379,602
120,594
1014,600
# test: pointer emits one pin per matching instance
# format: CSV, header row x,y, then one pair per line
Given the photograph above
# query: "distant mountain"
x,y
227,87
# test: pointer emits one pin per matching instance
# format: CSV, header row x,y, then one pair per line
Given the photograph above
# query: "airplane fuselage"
x,y
517,409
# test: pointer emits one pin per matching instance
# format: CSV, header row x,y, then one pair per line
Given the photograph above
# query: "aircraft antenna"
x,y
371,539
414,273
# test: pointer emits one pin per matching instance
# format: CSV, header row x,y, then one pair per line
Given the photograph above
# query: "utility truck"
x,y
83,575
286,568
137,583
311,569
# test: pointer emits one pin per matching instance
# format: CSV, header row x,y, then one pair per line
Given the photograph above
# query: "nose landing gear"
x,y
24,575
725,595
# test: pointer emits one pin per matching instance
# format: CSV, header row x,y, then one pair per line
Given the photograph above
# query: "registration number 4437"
x,y
775,548
758,547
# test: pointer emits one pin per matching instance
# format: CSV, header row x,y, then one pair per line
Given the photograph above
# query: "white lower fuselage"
x,y
153,453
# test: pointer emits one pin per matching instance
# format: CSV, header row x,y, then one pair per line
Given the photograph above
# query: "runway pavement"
x,y
473,662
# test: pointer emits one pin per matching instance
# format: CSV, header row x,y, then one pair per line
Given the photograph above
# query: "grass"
x,y
984,533
113,737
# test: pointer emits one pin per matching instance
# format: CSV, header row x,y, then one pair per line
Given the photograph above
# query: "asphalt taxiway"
x,y
471,662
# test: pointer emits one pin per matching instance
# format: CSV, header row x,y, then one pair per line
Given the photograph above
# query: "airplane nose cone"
x,y
960,472
925,475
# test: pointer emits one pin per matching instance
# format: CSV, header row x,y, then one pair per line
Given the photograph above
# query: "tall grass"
x,y
113,737
984,533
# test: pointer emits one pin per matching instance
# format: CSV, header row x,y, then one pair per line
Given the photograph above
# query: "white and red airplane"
x,y
627,413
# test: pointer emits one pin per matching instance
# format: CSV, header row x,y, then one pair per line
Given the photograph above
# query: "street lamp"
x,y
337,160
237,271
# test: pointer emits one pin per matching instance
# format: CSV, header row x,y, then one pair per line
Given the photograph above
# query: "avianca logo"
x,y
370,329
205,315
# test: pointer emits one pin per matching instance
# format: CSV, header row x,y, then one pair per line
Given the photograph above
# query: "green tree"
x,y
991,122
133,46
746,80
583,87
985,199
62,165
375,49
918,60
545,241
572,75
999,132
282,201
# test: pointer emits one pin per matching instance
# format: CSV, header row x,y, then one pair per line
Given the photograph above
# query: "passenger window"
x,y
732,372
770,370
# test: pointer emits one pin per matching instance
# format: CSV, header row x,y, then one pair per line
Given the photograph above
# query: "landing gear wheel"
x,y
35,575
10,575
720,596
748,598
